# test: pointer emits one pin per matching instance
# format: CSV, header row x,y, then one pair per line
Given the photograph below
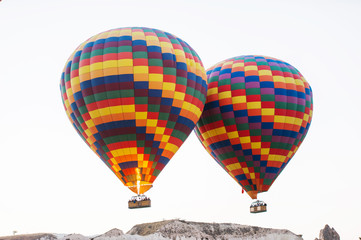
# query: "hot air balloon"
x,y
134,95
257,113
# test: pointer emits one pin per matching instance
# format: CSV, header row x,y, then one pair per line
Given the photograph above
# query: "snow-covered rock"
x,y
113,234
183,230
74,237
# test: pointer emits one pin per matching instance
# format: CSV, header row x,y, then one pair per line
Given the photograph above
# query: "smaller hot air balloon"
x,y
257,113
134,95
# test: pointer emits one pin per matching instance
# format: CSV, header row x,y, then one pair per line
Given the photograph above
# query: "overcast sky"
x,y
50,181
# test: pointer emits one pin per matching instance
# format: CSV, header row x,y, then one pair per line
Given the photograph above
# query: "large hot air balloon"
x,y
257,113
134,95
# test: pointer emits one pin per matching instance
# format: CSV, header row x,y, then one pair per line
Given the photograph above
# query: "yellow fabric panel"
x,y
141,115
179,95
69,92
94,114
239,99
297,121
117,109
245,170
179,52
152,40
265,151
75,84
256,145
238,64
268,111
299,82
233,166
166,45
110,64
104,111
171,147
152,122
221,130
165,138
197,111
278,79
168,86
225,95
125,32
306,117
140,69
128,108
253,105
290,80
252,175
277,158
167,48
155,77
287,119
199,67
114,33
115,153
279,119
159,130
138,35
89,123
216,131
125,62
246,139
233,134
96,66
133,150
84,69
212,91
88,133
249,68
265,72
227,64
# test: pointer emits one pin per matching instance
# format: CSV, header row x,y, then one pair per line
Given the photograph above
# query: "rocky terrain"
x,y
185,230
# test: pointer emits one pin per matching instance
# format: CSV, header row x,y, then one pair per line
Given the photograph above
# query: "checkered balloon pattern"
x,y
134,95
257,113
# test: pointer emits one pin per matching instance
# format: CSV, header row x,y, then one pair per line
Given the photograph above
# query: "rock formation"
x,y
182,230
112,234
328,233
185,230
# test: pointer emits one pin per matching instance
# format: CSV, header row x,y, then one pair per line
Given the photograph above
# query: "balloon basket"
x,y
258,207
139,201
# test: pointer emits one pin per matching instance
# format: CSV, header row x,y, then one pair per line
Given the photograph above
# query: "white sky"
x,y
50,181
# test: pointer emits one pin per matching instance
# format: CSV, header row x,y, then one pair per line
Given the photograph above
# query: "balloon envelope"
x,y
257,113
134,95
